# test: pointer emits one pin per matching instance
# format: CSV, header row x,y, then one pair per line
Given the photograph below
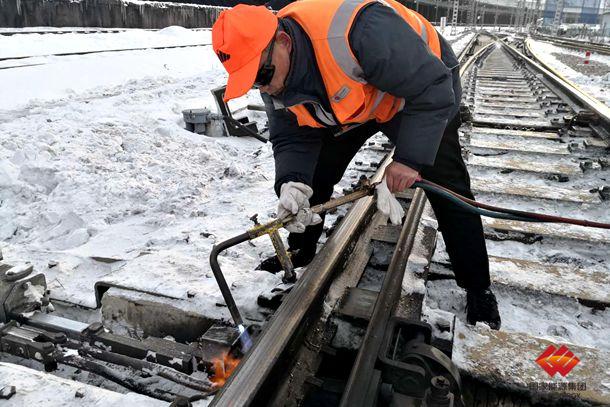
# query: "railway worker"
x,y
334,72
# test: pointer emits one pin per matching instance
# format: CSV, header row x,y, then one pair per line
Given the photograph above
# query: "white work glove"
x,y
388,204
294,200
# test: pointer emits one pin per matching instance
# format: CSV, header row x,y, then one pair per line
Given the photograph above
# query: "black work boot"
x,y
481,306
299,258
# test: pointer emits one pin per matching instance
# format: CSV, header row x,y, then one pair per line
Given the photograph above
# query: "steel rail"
x,y
468,46
571,91
90,52
478,55
358,383
77,31
102,51
249,382
85,30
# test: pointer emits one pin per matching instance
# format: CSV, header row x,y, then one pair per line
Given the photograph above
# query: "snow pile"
x,y
101,182
34,294
118,178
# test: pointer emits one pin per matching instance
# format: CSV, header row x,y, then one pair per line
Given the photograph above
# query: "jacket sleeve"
x,y
396,60
295,149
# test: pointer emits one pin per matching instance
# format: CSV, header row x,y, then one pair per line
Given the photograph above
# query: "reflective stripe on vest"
x,y
327,24
336,40
324,116
423,32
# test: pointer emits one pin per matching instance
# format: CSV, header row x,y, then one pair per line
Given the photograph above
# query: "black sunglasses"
x,y
265,72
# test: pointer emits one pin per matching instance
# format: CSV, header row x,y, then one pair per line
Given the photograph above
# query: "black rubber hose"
x,y
499,212
468,207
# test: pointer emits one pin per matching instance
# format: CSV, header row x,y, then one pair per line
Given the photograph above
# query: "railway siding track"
x,y
24,58
575,44
583,96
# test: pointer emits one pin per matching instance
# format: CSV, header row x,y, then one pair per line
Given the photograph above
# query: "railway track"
x,y
536,143
63,54
575,44
82,30
573,91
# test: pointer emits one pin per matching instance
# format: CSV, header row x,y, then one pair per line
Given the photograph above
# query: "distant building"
x,y
605,23
574,11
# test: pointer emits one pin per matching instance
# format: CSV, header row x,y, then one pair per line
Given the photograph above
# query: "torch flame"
x,y
223,367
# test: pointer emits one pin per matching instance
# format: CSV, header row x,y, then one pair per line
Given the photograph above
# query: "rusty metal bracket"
x,y
234,127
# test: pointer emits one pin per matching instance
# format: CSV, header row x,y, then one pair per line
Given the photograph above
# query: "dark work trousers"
x,y
462,231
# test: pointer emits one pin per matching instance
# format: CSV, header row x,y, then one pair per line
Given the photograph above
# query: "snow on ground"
x,y
559,319
458,43
459,31
569,62
37,388
23,45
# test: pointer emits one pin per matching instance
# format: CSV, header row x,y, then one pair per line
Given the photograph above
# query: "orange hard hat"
x,y
239,37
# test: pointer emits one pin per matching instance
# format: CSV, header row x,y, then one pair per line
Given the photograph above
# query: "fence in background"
x,y
104,13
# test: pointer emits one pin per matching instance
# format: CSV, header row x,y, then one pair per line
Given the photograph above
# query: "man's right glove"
x,y
294,199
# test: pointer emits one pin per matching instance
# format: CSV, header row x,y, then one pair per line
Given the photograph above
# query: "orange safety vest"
x,y
327,24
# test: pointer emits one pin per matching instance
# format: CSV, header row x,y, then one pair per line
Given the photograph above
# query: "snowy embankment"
x,y
592,78
459,42
94,162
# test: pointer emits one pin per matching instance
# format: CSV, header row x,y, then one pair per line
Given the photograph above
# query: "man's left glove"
x,y
294,200
388,204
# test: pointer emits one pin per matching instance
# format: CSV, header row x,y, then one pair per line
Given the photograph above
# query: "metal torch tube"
x,y
220,278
